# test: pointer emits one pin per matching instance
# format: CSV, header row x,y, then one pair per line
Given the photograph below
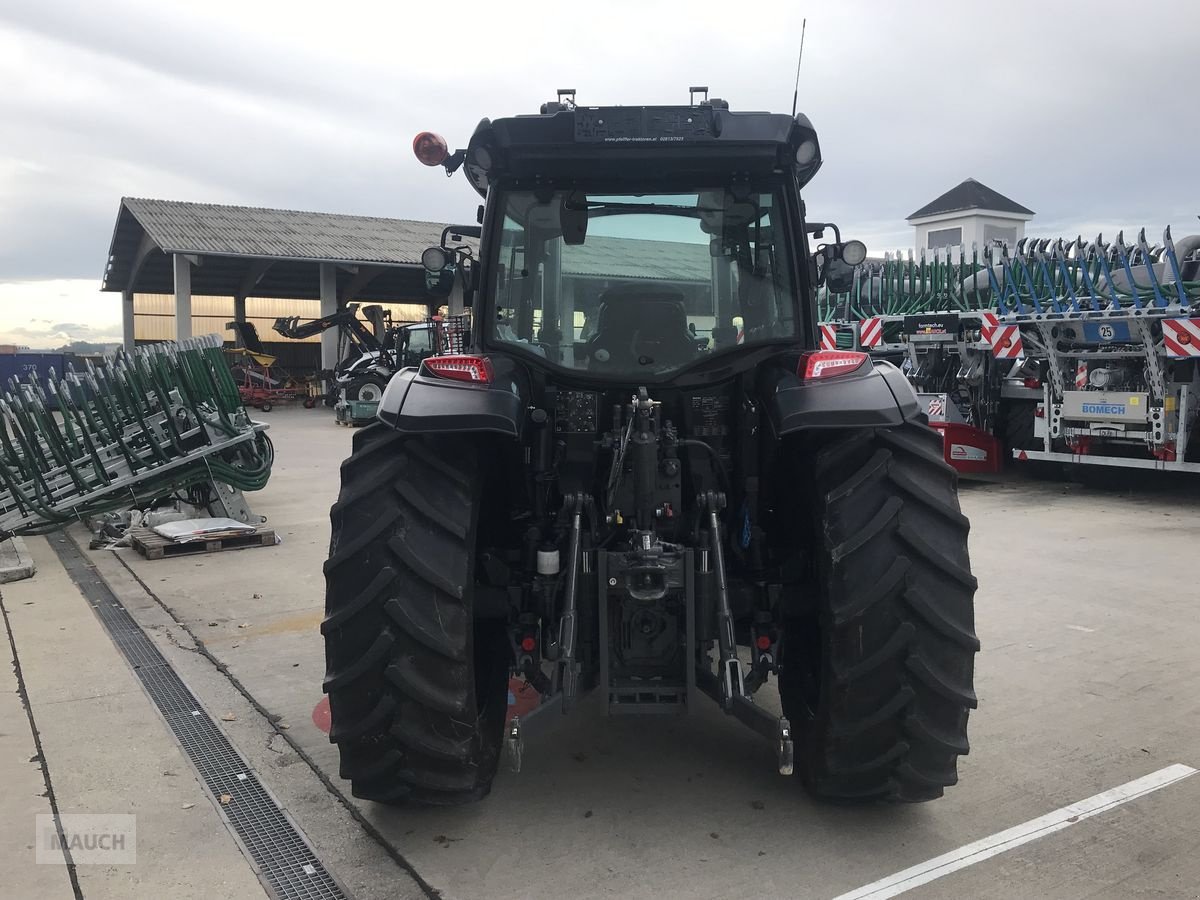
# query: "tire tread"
x,y
895,627
402,648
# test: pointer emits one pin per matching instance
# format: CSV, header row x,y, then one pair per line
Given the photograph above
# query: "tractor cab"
x,y
636,243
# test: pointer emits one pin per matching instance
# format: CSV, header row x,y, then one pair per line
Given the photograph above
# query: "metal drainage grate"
x,y
285,861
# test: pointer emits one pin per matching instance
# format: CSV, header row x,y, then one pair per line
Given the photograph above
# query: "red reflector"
x,y
1183,337
477,369
430,148
763,642
1032,383
827,363
528,643
1023,456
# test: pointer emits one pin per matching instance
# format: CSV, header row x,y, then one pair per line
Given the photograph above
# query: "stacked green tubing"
x,y
146,425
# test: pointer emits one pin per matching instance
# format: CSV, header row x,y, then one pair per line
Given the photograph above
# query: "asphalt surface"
x,y
1089,678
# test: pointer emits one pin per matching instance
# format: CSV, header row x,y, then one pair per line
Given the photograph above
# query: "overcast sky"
x,y
1085,112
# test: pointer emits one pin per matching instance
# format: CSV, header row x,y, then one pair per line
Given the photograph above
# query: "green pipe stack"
x,y
141,427
901,285
1039,276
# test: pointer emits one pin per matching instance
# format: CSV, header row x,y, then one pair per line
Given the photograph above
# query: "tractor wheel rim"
x,y
370,393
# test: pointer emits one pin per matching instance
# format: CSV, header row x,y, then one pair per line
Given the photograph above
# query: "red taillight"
x,y
763,642
528,643
430,148
1183,337
827,363
1032,383
476,369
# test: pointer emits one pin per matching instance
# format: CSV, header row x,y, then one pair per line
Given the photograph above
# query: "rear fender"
x,y
417,403
878,398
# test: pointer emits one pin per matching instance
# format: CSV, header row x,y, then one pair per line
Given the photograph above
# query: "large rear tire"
x,y
417,683
876,674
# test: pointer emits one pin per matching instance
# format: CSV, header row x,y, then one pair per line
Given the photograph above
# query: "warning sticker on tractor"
x,y
964,451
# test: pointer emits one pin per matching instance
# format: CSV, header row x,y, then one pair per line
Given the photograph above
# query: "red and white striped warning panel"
x,y
1181,337
1081,376
829,337
870,332
990,322
1006,342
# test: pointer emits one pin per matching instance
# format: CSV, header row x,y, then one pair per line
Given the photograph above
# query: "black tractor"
x,y
635,476
366,356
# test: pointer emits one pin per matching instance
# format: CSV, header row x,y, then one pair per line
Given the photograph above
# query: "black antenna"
x,y
796,91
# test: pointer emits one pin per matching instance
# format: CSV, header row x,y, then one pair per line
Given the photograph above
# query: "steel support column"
x,y
329,306
127,321
183,297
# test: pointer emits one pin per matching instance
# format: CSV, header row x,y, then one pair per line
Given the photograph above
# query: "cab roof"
x,y
640,143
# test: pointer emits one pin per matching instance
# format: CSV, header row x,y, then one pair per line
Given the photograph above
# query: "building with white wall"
x,y
969,214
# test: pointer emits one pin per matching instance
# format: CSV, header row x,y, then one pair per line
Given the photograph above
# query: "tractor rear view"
x,y
634,474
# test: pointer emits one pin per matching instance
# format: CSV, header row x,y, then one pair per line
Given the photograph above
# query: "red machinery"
x,y
257,385
970,450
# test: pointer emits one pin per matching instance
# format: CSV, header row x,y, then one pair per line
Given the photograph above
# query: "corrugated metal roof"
x,y
971,194
234,239
208,228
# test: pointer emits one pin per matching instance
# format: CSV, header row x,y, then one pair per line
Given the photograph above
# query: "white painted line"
x,y
1003,841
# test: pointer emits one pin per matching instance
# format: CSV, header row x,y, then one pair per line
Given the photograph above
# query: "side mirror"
x,y
839,277
441,282
573,217
470,277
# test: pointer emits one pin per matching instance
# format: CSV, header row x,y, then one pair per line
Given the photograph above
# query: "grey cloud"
x,y
67,330
192,48
1052,105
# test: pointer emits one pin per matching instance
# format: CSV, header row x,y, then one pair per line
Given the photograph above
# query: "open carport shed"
x,y
207,249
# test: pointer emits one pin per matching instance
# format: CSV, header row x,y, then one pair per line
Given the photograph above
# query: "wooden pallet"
x,y
154,546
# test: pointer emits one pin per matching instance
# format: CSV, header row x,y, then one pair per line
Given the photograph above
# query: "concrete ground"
x,y
1089,678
